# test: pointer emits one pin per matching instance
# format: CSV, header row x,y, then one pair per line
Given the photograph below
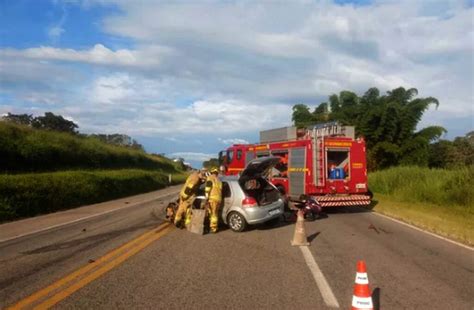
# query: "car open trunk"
x,y
253,180
265,193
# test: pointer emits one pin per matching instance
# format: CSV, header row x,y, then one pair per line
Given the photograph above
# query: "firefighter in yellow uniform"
x,y
214,197
186,198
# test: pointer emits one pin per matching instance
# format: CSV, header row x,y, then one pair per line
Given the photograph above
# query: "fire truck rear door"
x,y
296,171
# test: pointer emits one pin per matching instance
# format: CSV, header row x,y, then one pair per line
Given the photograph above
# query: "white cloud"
x,y
233,141
112,89
201,117
192,156
326,47
55,32
99,54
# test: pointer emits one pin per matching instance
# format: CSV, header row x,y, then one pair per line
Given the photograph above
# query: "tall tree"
x,y
321,113
449,154
302,117
21,119
51,121
387,122
119,139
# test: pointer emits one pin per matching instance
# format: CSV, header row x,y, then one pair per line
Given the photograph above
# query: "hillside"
x,y
45,171
24,149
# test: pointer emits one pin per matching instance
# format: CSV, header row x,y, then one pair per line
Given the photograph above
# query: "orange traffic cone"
x,y
362,298
299,238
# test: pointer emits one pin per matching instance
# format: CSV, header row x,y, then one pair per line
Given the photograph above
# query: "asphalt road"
x,y
258,269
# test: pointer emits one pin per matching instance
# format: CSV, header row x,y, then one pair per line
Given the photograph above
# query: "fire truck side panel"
x,y
297,171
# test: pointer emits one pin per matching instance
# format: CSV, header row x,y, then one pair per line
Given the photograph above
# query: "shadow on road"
x,y
376,298
339,210
313,236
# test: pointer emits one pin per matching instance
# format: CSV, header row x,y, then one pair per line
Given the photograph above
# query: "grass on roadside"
x,y
452,222
24,195
441,187
438,200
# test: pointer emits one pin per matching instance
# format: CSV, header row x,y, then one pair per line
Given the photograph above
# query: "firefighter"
x,y
187,196
214,198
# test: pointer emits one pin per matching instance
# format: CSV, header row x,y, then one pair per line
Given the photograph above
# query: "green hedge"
x,y
24,195
435,186
24,149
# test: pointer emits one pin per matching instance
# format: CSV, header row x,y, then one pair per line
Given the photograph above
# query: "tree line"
x,y
51,121
389,124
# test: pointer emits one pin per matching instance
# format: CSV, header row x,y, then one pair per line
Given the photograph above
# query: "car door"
x,y
228,199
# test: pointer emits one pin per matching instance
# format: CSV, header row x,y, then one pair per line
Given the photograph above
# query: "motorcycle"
x,y
309,205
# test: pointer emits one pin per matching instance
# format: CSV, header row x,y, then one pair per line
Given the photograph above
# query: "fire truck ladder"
x,y
321,171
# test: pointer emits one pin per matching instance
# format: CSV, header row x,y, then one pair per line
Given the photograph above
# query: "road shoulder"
x,y
25,227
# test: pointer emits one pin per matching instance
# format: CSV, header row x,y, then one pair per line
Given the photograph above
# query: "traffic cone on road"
x,y
362,298
299,238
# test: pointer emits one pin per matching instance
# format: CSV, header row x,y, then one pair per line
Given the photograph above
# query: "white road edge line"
x,y
318,276
83,218
425,231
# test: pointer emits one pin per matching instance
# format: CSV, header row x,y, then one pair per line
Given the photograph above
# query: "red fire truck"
x,y
325,161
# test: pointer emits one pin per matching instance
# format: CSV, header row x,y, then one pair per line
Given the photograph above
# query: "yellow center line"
x,y
48,303
56,285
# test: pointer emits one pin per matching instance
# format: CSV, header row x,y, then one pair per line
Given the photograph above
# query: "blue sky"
x,y
30,23
189,78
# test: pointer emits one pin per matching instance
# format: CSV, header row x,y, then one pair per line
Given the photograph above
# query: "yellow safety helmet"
x,y
215,170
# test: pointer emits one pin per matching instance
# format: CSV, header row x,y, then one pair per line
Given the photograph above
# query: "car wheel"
x,y
236,221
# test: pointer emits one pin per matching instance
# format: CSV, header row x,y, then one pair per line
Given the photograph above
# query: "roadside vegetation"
x,y
25,149
439,200
23,195
46,165
441,187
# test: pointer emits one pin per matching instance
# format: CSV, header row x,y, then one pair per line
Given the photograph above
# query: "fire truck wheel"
x,y
236,221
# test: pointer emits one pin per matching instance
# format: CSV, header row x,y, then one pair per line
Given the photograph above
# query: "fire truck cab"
x,y
325,161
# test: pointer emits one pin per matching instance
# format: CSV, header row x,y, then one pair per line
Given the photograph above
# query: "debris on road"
x,y
371,226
